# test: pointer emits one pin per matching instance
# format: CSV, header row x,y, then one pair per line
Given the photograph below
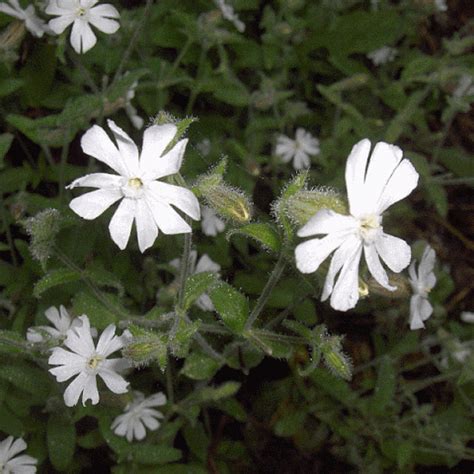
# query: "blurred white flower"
x,y
204,146
371,189
9,464
131,111
229,14
204,264
86,361
422,282
467,317
211,224
465,86
139,414
299,150
35,25
61,321
383,55
144,199
441,5
80,13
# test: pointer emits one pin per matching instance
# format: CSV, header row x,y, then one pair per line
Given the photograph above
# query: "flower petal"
x,y
93,204
139,430
127,148
168,164
97,180
79,338
98,18
106,10
395,252
90,391
120,226
147,231
326,221
109,342
375,267
18,446
205,264
155,140
74,389
58,25
180,197
301,160
420,310
95,142
115,382
355,175
310,254
346,291
82,36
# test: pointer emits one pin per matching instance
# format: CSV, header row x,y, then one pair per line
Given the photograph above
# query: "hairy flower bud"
x,y
146,346
42,229
334,358
307,202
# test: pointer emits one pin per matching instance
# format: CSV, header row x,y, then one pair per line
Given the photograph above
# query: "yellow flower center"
x,y
369,227
135,183
81,11
94,361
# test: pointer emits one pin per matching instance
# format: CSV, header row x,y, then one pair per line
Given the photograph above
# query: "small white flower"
x,y
35,25
465,86
229,14
211,224
138,415
131,111
382,55
9,464
371,189
86,361
467,317
299,150
441,5
205,264
422,283
80,13
61,321
144,199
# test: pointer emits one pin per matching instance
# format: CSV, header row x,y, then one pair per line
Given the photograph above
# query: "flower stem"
x,y
267,290
184,267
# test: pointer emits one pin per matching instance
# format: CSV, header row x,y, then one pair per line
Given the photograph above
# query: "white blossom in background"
x,y
144,199
61,321
211,224
131,111
299,150
229,14
465,86
81,14
467,317
422,282
441,5
85,362
204,146
138,415
383,55
372,187
34,24
204,264
9,464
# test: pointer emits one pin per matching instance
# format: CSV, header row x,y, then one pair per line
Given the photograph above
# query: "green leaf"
x,y
212,394
438,197
5,142
154,454
290,423
27,378
10,423
199,366
102,277
54,278
384,387
100,314
264,234
197,440
231,305
8,86
196,285
61,439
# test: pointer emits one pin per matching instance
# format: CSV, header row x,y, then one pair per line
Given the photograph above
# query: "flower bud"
x,y
42,230
307,202
146,346
334,358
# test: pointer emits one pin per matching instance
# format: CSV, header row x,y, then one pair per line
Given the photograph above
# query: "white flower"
x,y
382,55
35,25
138,415
131,111
467,317
144,199
298,149
204,146
61,321
422,283
9,464
441,5
87,361
205,264
211,224
229,14
80,13
465,86
371,189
